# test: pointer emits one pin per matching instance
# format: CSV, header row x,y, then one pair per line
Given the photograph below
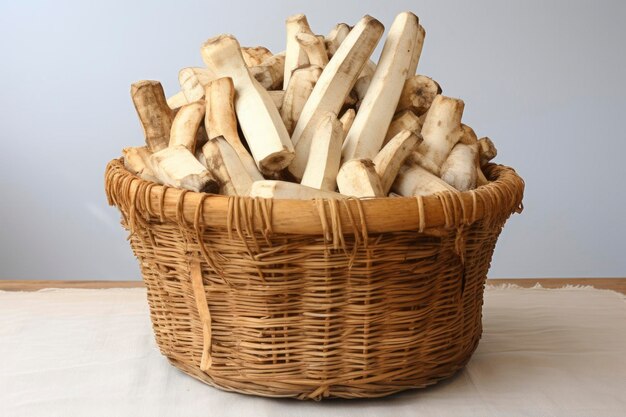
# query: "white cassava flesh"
x,y
314,48
177,167
334,85
295,56
335,37
221,120
459,169
177,100
441,131
258,117
185,125
282,190
417,50
193,80
270,72
418,94
406,120
392,156
367,134
358,178
325,154
413,180
277,97
346,119
224,163
255,55
486,150
361,86
298,90
154,113
137,161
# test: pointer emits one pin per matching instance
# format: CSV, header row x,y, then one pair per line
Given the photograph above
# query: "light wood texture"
x,y
258,117
346,119
613,284
367,133
402,213
137,161
417,50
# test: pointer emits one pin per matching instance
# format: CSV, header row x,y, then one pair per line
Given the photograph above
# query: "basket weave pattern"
x,y
343,312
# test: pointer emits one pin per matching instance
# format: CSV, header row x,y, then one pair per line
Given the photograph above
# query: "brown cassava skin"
x,y
222,161
334,85
258,117
314,48
335,37
406,120
295,55
283,190
177,167
137,161
269,73
367,134
221,120
186,124
459,169
154,114
358,178
413,180
298,90
325,155
255,55
193,81
441,131
392,156
418,94
486,150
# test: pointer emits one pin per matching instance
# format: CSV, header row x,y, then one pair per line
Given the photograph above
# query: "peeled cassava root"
x,y
322,119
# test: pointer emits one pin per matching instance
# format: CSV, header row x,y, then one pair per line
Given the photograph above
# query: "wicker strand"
x,y
204,313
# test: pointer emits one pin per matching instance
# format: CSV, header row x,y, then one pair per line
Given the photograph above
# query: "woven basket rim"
x,y
501,197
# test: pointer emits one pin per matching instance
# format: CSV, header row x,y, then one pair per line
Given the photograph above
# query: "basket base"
x,y
351,391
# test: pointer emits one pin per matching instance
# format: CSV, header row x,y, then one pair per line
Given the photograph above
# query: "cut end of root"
x,y
276,162
211,187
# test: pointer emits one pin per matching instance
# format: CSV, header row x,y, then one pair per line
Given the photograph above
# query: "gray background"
x,y
544,80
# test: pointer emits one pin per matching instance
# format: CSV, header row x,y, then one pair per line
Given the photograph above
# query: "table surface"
x,y
615,284
544,352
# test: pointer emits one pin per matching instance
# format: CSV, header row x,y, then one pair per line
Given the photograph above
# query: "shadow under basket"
x,y
315,298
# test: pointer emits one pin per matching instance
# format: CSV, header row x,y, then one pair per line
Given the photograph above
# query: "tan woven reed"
x,y
314,299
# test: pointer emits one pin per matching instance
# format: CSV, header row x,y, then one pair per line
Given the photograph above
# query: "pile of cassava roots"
x,y
318,120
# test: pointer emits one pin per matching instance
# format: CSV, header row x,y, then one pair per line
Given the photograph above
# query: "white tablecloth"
x,y
91,353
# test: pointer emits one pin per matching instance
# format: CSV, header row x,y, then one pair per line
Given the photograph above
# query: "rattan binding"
x,y
319,298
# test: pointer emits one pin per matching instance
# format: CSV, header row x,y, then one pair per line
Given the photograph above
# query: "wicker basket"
x,y
320,298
